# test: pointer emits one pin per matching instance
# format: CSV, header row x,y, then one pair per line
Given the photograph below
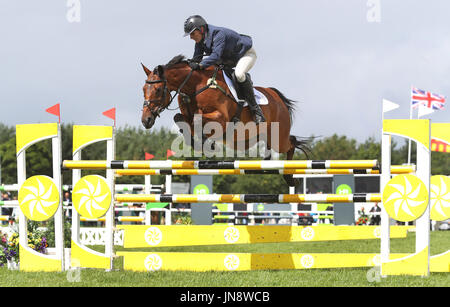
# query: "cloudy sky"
x,y
337,58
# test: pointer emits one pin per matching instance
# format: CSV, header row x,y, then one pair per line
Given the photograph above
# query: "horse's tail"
x,y
301,143
297,142
290,104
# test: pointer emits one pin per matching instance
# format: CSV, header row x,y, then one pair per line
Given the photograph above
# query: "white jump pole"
x,y
147,190
168,213
384,178
57,177
424,173
109,224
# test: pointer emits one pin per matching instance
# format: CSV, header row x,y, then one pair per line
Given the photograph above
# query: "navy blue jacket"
x,y
222,45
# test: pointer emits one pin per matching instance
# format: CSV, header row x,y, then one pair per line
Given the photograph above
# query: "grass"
x,y
440,242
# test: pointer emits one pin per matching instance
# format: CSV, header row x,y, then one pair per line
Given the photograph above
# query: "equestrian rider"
x,y
224,46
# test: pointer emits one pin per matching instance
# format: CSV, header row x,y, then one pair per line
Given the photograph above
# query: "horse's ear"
x,y
159,70
147,71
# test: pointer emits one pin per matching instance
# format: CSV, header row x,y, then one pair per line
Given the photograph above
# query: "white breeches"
x,y
245,64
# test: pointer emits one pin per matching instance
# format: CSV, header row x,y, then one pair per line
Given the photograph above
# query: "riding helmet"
x,y
193,23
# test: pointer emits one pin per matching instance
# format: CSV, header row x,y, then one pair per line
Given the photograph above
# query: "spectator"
x,y
375,219
67,201
6,211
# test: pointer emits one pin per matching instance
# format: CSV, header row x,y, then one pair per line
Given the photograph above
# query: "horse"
x,y
205,94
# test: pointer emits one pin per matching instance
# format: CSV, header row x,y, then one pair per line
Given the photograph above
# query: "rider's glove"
x,y
195,66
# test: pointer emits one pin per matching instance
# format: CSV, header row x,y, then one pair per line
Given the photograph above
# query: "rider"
x,y
224,46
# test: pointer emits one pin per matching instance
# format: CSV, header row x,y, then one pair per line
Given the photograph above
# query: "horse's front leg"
x,y
212,124
186,128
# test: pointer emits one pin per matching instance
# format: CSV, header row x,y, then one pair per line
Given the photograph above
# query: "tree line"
x,y
132,143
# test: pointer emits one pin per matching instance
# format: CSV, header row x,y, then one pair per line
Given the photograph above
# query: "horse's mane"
x,y
179,59
176,60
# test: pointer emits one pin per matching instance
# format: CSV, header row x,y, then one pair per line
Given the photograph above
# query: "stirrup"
x,y
257,114
237,117
259,119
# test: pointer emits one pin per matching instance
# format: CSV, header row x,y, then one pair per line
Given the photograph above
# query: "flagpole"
x,y
410,117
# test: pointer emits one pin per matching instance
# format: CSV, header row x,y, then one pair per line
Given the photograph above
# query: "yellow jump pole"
x,y
240,165
248,198
395,169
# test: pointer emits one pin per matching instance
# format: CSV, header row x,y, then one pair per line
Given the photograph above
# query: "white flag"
x,y
389,106
424,110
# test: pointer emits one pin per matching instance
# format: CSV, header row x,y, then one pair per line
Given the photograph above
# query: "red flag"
x,y
170,153
148,156
111,113
55,111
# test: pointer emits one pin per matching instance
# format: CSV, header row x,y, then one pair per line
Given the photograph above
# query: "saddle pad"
x,y
261,99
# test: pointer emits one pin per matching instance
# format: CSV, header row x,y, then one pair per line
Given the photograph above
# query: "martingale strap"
x,y
212,83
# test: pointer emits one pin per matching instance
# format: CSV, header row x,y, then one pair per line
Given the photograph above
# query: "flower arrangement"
x,y
362,221
9,248
183,220
9,245
363,218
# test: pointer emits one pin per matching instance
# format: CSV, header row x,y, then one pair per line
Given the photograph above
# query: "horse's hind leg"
x,y
267,151
283,143
290,180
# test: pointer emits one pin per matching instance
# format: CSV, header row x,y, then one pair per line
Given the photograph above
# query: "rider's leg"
x,y
245,83
244,65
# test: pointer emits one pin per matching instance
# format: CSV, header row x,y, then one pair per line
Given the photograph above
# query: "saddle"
x,y
229,72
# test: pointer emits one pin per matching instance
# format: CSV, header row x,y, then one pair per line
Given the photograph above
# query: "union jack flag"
x,y
428,99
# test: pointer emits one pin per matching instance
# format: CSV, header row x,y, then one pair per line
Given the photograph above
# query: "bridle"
x,y
160,101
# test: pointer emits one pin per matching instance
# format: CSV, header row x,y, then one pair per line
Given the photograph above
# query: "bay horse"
x,y
214,102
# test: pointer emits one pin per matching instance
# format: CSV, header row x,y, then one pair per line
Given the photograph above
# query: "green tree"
x,y
8,161
334,148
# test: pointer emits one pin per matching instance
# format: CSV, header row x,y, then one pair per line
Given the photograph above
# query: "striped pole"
x,y
9,203
9,187
126,187
399,169
237,165
249,198
139,219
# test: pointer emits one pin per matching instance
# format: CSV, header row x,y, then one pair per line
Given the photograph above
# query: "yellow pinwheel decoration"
x,y
91,196
231,262
153,262
405,198
39,198
440,198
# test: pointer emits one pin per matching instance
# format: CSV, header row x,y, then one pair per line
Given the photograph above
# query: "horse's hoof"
x,y
235,120
178,118
259,119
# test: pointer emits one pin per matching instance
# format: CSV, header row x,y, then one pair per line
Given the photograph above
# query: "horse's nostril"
x,y
147,122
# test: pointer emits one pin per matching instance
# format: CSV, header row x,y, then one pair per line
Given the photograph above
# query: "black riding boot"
x,y
249,96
